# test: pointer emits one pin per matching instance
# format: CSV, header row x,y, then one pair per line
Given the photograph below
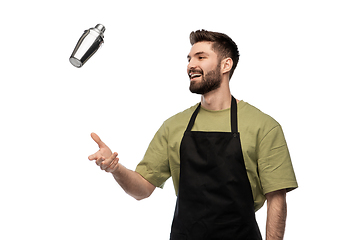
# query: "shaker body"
x,y
88,44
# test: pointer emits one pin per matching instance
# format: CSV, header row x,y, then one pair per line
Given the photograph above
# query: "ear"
x,y
226,65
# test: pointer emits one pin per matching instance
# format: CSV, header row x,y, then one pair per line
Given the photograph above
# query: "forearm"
x,y
276,217
132,182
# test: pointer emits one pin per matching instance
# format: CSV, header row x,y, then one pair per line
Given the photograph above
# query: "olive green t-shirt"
x,y
265,151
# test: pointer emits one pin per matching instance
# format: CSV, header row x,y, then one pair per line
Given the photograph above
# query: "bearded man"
x,y
225,156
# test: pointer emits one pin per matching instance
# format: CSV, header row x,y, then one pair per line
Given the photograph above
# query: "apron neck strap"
x,y
234,125
234,122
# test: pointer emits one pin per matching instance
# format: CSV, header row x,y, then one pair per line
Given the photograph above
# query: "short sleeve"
x,y
274,163
154,167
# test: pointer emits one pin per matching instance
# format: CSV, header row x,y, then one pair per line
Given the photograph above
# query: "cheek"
x,y
210,68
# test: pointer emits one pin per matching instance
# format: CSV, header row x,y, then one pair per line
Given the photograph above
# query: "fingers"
x,y
94,156
99,161
97,139
109,164
112,166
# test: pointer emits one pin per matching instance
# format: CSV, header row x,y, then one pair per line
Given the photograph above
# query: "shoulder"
x,y
250,113
180,118
252,119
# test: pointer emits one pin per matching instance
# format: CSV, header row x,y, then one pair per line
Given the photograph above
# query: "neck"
x,y
217,99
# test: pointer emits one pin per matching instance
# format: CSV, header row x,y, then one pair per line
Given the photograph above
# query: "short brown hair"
x,y
223,45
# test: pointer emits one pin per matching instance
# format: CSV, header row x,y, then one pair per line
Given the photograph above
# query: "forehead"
x,y
202,47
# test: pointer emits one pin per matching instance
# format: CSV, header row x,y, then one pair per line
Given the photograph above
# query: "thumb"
x,y
92,157
97,139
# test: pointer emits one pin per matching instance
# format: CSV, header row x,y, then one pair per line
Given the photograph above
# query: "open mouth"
x,y
194,75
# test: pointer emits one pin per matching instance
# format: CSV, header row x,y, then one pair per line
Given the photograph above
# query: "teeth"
x,y
191,75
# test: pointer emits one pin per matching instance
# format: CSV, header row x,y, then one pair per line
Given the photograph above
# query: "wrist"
x,y
118,170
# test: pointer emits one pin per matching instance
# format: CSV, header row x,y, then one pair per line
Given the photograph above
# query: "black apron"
x,y
215,199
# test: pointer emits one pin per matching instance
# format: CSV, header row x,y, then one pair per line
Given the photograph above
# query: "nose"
x,y
191,65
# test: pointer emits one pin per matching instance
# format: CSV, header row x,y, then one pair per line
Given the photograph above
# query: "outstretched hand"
x,y
104,157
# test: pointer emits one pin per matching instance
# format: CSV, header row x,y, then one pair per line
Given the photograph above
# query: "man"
x,y
225,156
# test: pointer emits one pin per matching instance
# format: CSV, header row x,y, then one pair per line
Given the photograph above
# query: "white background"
x,y
299,63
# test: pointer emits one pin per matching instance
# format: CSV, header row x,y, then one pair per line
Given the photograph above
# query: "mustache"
x,y
196,71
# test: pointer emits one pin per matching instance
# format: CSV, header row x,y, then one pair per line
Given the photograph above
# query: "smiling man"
x,y
201,84
225,156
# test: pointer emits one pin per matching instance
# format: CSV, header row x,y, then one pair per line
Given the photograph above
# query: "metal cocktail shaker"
x,y
87,45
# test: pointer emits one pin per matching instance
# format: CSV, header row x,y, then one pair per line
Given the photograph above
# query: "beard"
x,y
208,82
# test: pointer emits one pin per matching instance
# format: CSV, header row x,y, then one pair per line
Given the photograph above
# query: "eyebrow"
x,y
198,53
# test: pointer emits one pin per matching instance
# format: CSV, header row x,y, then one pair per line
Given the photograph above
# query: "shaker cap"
x,y
100,27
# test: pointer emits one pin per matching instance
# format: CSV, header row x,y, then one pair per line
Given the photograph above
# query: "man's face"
x,y
203,68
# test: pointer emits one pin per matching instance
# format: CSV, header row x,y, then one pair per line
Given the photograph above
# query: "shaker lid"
x,y
100,29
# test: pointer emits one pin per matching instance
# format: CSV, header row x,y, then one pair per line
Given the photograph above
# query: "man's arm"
x,y
276,215
132,182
